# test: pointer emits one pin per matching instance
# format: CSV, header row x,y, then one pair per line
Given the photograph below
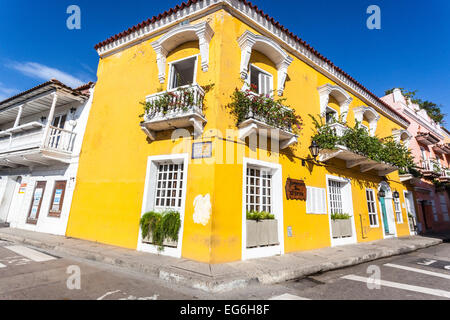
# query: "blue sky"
x,y
412,49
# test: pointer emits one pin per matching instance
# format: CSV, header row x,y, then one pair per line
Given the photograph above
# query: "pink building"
x,y
428,142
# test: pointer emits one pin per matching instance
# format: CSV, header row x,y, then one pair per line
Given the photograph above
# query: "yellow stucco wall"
x,y
110,183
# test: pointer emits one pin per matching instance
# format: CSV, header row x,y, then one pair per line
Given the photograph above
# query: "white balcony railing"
x,y
60,139
182,100
339,129
287,126
177,108
31,136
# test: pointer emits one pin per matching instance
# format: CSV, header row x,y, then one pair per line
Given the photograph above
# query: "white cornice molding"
x,y
423,123
249,41
263,25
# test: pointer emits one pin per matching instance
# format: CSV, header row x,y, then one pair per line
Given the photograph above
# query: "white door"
x,y
6,200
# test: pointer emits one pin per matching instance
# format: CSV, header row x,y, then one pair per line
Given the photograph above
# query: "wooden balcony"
x,y
178,108
31,144
429,169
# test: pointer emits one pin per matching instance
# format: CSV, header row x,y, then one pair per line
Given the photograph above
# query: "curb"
x,y
213,284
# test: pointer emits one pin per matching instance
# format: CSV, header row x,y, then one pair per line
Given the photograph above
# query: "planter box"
x,y
341,228
166,242
262,233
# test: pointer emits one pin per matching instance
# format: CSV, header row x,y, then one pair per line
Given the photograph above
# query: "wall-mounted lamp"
x,y
381,194
314,149
396,195
72,110
43,119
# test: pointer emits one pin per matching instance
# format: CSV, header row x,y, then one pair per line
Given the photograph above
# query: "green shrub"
x,y
263,108
340,216
358,140
161,225
259,215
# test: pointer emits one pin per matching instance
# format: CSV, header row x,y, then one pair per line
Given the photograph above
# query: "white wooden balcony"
x,y
430,169
258,124
26,141
180,111
445,175
31,144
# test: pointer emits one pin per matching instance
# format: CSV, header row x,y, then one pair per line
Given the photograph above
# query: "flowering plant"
x,y
250,105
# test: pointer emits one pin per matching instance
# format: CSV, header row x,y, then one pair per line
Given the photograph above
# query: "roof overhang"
x,y
39,99
427,138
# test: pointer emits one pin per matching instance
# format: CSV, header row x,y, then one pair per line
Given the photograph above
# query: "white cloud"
x,y
39,71
6,92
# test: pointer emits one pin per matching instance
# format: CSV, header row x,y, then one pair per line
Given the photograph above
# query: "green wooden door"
x,y
383,211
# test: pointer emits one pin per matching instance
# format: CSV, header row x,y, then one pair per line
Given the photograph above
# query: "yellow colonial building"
x,y
210,146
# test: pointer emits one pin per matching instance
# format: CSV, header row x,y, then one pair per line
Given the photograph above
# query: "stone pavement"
x,y
225,276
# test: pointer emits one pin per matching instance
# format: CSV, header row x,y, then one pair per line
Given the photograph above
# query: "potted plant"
x,y
161,228
341,225
262,229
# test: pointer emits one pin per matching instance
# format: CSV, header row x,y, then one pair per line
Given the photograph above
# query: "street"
x,y
27,273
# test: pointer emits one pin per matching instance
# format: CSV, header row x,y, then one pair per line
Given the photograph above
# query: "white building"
x,y
41,134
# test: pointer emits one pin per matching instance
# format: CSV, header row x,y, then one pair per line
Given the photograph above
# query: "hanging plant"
x,y
247,104
358,140
161,226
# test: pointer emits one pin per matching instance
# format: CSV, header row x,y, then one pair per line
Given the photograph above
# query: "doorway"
x,y
8,195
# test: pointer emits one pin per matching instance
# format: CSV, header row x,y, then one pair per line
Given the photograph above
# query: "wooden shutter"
x,y
57,201
316,200
265,83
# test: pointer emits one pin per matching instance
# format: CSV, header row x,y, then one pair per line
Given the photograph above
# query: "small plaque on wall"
x,y
295,189
201,150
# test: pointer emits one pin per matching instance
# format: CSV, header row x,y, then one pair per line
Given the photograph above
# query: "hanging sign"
x,y
295,189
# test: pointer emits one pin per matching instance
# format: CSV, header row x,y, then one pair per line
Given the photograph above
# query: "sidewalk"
x,y
226,276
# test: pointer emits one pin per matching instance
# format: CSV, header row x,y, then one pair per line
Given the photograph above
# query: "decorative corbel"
x,y
204,34
282,74
161,55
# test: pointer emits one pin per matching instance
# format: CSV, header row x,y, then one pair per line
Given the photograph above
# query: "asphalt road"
x,y
27,274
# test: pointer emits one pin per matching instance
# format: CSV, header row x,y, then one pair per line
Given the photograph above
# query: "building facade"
x,y
40,143
193,153
431,152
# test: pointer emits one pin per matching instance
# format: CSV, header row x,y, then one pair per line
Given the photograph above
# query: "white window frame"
x,y
277,207
372,191
347,203
399,213
262,71
269,198
171,74
149,200
327,110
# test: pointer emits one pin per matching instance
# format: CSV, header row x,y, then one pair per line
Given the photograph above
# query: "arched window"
x,y
248,42
402,136
370,115
340,95
179,35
